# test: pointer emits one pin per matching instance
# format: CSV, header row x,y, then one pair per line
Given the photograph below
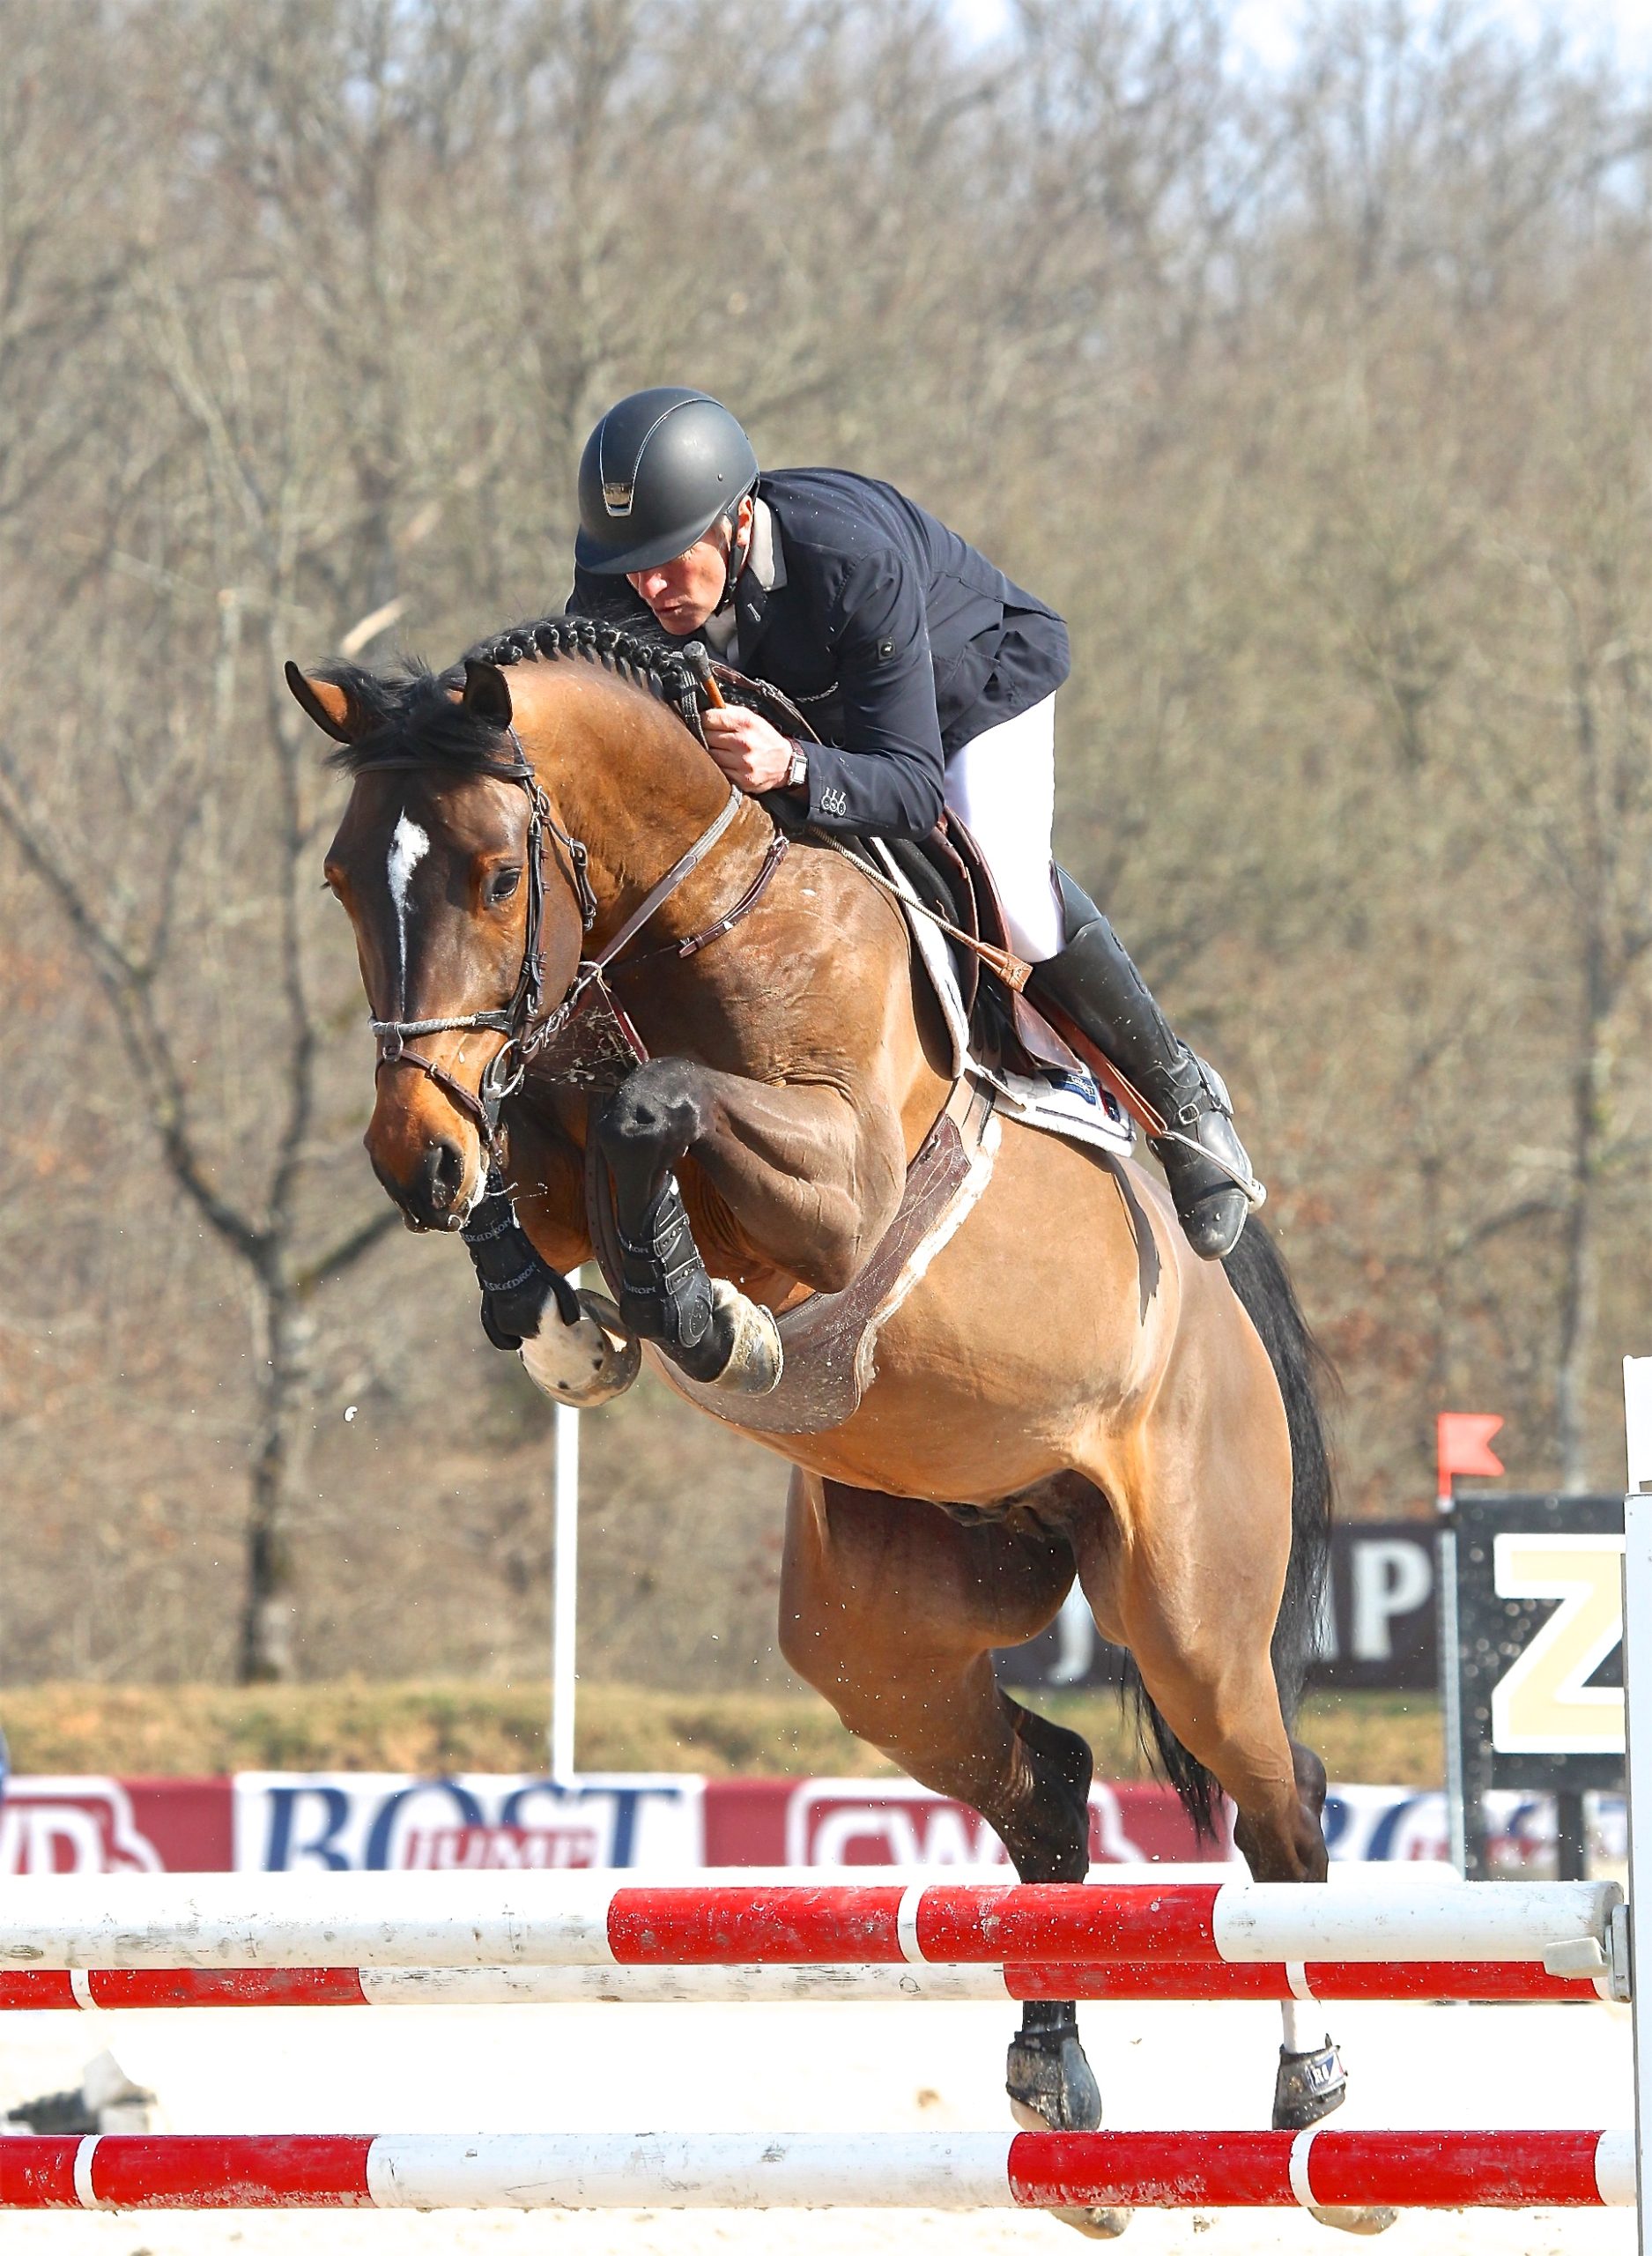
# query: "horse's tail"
x,y
1257,1271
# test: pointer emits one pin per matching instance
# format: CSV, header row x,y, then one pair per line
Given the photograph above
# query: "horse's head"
x,y
438,862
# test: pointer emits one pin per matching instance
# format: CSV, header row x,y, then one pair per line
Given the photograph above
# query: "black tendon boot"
x,y
517,1286
1093,983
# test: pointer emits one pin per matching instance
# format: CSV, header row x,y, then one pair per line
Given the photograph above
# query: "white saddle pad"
x,y
1074,1108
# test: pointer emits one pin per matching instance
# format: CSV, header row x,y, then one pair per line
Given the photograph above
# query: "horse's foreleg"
x,y
891,1610
810,1183
525,1233
710,1330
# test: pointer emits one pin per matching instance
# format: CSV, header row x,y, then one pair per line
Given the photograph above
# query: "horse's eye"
x,y
501,886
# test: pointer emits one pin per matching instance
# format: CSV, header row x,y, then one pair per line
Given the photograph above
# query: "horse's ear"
x,y
344,717
486,692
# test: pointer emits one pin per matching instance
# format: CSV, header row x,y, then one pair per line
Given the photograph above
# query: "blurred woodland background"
x,y
1321,401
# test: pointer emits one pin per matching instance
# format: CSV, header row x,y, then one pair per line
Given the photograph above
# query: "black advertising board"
x,y
1379,1633
1539,1648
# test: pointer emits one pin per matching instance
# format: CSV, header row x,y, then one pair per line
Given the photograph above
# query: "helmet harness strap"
x,y
738,551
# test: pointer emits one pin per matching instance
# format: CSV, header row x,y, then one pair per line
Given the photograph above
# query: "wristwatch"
x,y
798,773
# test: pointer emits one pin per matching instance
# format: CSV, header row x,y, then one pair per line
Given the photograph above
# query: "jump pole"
x,y
178,1988
156,1920
981,2170
565,1586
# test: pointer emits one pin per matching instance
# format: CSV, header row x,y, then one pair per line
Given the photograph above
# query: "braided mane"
x,y
661,668
416,709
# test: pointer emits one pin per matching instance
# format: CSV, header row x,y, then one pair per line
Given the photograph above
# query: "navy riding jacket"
x,y
898,640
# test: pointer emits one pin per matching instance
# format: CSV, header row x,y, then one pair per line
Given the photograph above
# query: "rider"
x,y
931,679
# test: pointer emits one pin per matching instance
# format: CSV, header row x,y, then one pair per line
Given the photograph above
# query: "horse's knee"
x,y
834,1261
659,1106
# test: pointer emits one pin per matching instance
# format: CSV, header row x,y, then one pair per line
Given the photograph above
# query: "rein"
x,y
526,1029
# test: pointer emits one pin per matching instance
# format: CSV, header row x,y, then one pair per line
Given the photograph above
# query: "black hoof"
x,y
1050,2083
1052,2087
1308,2086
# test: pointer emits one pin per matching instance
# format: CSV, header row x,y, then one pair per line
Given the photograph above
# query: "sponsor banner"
x,y
273,1821
91,1825
383,1821
831,1823
1387,1825
1380,1630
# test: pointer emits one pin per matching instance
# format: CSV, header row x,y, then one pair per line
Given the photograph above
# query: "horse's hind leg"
x,y
1311,2081
1193,1587
891,1610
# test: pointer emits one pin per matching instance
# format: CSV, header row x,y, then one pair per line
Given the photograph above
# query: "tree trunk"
x,y
1579,1281
287,1395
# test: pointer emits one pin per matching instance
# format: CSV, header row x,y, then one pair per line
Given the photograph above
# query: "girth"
x,y
831,1338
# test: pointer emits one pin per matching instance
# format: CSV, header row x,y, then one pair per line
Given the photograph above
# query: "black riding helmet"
x,y
658,472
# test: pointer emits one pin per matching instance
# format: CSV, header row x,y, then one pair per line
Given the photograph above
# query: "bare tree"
x,y
1313,397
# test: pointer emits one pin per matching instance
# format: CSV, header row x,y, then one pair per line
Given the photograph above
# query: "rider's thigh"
x,y
1003,784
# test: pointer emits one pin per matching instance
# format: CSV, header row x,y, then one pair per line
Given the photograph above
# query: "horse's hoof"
x,y
1050,2083
1095,2224
756,1357
1308,2086
1365,2223
585,1363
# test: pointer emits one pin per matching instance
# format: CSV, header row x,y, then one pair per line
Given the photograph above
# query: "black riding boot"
x,y
1095,983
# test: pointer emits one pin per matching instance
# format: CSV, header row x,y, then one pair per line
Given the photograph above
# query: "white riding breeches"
x,y
1003,784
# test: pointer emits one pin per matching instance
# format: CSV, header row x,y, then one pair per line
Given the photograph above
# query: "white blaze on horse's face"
x,y
409,845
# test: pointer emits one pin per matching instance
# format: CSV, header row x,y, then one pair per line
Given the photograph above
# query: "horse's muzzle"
x,y
429,1162
436,1195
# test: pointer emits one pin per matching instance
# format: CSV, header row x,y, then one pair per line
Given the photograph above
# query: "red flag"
x,y
1464,1438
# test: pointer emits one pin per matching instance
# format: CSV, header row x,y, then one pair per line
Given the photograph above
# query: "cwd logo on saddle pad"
x,y
52,1825
831,1824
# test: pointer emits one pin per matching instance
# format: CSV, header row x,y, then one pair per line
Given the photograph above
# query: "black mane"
x,y
413,715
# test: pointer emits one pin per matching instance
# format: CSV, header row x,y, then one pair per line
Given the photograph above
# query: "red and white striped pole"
x,y
1317,2169
107,1989
139,1921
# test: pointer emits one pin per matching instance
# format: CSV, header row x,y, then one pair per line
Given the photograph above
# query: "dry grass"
x,y
444,1725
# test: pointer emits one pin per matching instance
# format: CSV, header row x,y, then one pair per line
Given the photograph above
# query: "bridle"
x,y
525,1029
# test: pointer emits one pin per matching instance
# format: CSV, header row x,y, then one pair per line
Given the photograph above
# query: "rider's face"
x,y
682,594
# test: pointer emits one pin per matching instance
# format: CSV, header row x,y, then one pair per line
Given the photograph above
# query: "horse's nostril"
x,y
445,1174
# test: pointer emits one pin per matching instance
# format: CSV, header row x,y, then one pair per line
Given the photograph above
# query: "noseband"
x,y
521,1022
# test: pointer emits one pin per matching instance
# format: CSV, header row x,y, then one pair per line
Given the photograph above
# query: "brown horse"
x,y
1056,1372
